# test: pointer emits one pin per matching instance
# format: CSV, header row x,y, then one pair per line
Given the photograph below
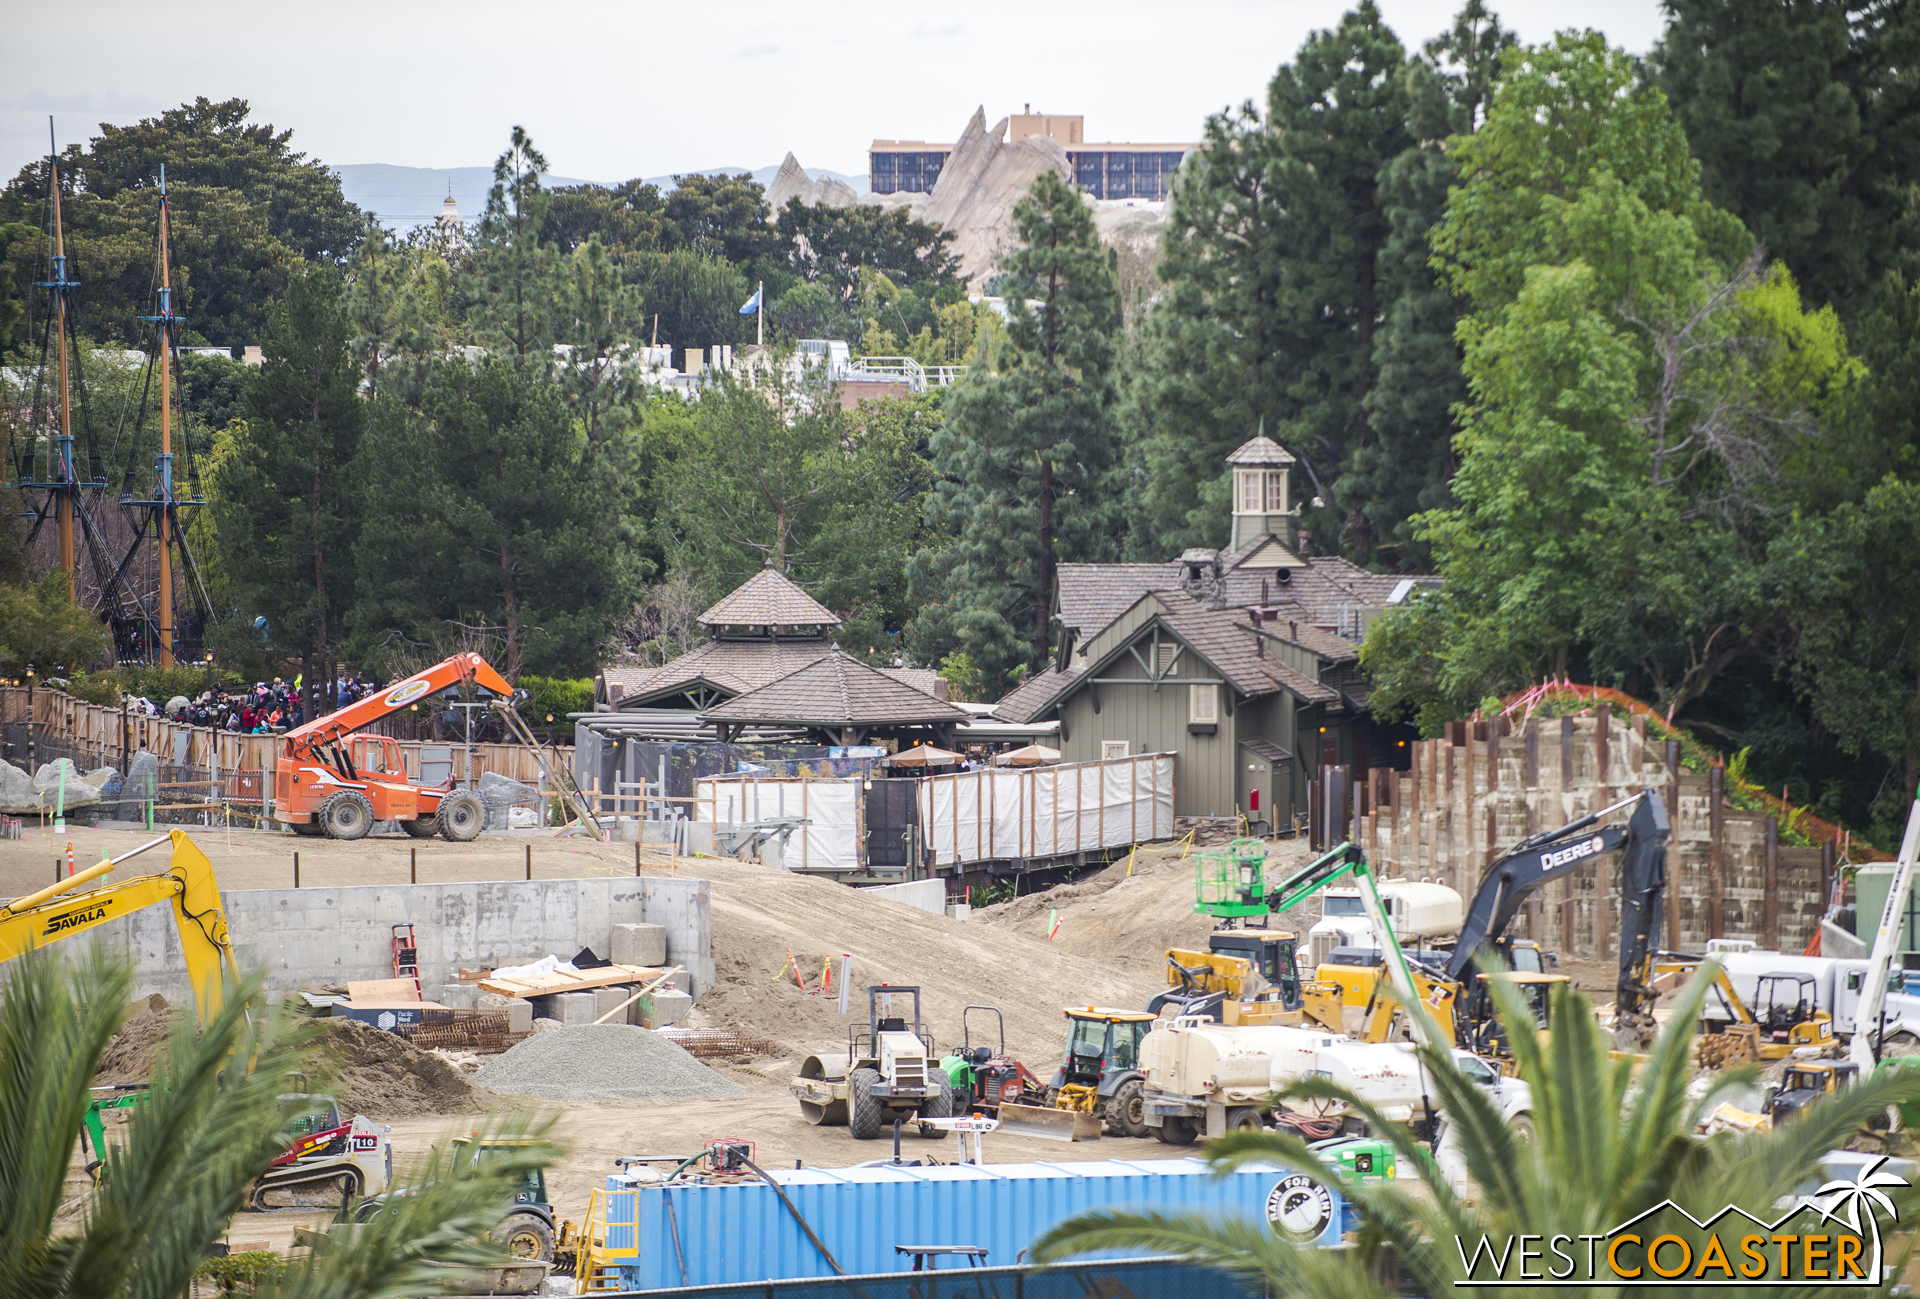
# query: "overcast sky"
x,y
615,90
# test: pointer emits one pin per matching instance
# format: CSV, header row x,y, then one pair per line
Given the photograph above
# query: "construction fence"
x,y
952,822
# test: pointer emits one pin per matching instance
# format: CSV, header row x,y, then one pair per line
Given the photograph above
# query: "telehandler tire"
x,y
346,814
863,1117
420,828
460,816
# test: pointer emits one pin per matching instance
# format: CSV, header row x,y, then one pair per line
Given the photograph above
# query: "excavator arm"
x,y
313,737
1642,841
187,885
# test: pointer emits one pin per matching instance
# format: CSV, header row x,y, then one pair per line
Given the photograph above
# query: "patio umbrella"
x,y
923,755
1034,755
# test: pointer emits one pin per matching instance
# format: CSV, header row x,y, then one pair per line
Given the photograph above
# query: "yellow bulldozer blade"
x,y
1049,1125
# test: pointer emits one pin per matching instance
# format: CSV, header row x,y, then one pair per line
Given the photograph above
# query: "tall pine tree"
x,y
1806,120
1408,462
484,513
1300,302
517,271
1027,456
286,499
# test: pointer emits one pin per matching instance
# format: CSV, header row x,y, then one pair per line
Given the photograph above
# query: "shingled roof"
x,y
1260,451
768,599
837,690
737,666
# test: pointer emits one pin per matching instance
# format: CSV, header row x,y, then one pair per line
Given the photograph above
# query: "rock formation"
x,y
792,182
984,177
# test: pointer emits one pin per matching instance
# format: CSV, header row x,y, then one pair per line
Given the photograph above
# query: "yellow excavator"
x,y
1789,1019
327,1157
187,886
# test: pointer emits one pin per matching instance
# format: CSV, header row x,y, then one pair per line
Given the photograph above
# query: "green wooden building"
x,y
1242,661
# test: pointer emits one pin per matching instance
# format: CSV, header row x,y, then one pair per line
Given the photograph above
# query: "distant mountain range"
x,y
406,197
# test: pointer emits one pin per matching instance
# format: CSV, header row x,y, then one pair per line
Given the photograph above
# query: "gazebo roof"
x,y
768,599
837,690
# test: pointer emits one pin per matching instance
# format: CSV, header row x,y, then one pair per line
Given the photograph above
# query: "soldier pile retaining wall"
x,y
1471,795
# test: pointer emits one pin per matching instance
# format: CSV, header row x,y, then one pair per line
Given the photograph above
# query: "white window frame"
x,y
1276,491
1169,655
1203,704
1110,749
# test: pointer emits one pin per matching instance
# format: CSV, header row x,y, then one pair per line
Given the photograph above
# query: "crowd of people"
x,y
264,708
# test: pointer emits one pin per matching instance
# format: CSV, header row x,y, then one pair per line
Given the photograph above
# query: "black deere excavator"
x,y
1642,842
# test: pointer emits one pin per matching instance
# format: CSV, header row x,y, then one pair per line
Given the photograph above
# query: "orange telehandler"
x,y
331,781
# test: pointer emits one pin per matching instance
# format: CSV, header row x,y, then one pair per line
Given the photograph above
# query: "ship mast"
x,y
65,485
167,320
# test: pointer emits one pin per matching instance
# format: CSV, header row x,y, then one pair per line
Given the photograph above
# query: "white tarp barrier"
x,y
971,816
831,842
1047,811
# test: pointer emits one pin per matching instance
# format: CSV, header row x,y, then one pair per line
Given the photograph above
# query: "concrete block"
x,y
959,911
519,1015
575,1008
670,1007
640,945
609,999
460,996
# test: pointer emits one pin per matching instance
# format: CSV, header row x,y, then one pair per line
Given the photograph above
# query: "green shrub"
x,y
243,1273
556,695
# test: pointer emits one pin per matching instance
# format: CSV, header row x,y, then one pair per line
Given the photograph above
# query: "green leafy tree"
x,y
1611,1142
286,500
627,218
207,145
778,476
721,216
486,518
246,207
206,1132
517,271
40,626
692,299
836,244
1853,641
1026,459
1804,120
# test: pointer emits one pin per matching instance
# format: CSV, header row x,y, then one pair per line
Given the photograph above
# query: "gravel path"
x,y
602,1062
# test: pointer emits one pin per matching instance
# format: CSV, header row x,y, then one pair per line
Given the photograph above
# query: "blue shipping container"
x,y
692,1234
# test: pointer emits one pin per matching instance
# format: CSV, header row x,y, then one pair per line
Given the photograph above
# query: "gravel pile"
x,y
602,1062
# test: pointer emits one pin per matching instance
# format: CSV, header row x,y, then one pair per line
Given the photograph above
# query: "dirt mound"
x,y
384,1076
134,1053
1128,915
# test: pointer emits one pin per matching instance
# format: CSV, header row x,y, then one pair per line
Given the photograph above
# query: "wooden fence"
x,y
114,736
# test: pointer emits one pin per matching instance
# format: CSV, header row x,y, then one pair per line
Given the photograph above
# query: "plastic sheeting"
x,y
1047,811
971,816
831,842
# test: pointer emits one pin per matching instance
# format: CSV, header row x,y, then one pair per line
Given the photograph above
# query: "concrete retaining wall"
x,y
332,935
928,895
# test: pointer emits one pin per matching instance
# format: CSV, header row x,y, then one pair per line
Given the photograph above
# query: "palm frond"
x,y
1233,1244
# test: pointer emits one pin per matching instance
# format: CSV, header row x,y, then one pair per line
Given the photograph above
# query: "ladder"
x,y
406,957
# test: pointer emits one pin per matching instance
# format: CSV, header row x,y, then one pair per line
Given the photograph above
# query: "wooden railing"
x,y
61,718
